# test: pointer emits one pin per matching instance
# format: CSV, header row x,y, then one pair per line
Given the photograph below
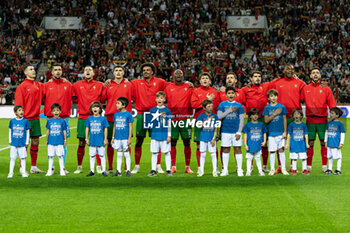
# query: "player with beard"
x,y
317,98
178,96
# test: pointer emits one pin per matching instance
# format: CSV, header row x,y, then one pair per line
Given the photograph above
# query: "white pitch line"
x,y
8,147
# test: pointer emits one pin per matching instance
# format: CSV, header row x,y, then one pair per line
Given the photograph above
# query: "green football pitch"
x,y
182,203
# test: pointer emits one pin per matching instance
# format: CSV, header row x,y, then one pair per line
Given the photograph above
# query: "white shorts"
x,y
334,153
229,139
121,145
19,152
206,146
253,155
97,150
275,143
301,155
157,145
53,150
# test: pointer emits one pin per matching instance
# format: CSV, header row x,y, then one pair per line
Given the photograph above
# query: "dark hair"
x,y
26,67
56,64
272,92
161,93
55,105
337,111
253,111
17,107
123,100
88,66
95,104
149,64
231,73
287,65
255,72
299,111
230,89
205,74
206,102
119,66
315,68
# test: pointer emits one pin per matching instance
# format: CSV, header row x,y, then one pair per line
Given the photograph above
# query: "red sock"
x,y
198,155
278,159
98,160
110,154
324,155
310,154
173,155
187,155
34,153
265,155
138,152
159,157
80,154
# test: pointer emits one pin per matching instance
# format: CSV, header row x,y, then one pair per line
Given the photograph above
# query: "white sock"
x,y
214,161
239,159
309,167
127,160
50,163
154,160
303,164
23,165
103,162
258,163
60,161
272,160
330,164
225,158
249,164
339,164
119,160
283,160
167,161
203,154
12,165
294,165
92,164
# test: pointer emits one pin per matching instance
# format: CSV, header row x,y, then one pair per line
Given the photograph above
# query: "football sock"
x,y
188,152
23,165
198,155
138,152
283,160
339,164
61,163
110,155
330,164
173,156
310,155
159,159
103,162
154,160
272,160
202,161
65,154
125,168
303,164
50,163
167,161
324,155
98,160
258,163
294,165
34,154
12,165
80,154
225,157
265,155
249,164
127,160
239,159
222,162
278,159
214,160
119,160
92,164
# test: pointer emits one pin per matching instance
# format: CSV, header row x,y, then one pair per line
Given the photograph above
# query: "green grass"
x,y
76,203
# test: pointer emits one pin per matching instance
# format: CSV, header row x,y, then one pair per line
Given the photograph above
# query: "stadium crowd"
x,y
189,35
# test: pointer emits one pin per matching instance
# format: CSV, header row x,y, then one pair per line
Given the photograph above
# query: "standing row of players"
x,y
181,100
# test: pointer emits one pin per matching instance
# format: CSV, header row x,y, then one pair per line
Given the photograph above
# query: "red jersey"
x,y
112,93
179,100
289,92
87,92
58,92
200,94
145,93
255,97
317,99
29,95
238,98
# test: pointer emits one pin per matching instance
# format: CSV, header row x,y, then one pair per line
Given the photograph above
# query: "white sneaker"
x,y
10,175
272,172
249,173
284,172
215,173
159,169
79,170
261,173
99,170
62,172
224,173
49,173
36,170
240,173
25,174
200,172
65,171
135,170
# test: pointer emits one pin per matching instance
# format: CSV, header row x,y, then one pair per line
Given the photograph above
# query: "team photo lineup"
x,y
275,122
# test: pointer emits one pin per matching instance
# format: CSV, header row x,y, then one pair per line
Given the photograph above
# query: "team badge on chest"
x,y
295,86
154,84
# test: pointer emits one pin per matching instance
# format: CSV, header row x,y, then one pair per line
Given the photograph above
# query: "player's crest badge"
x,y
154,84
37,88
185,88
94,87
295,86
124,85
237,94
260,87
65,88
320,91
